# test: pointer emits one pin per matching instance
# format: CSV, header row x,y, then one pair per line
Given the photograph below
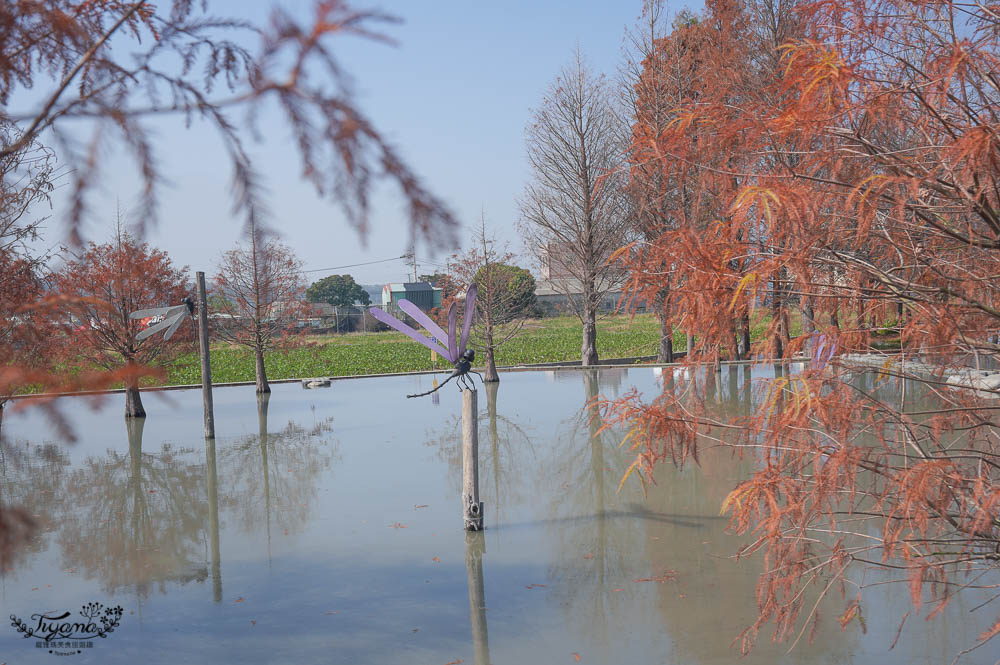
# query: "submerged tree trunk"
x,y
262,385
133,402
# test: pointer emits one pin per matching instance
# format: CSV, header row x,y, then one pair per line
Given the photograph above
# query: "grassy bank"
x,y
545,340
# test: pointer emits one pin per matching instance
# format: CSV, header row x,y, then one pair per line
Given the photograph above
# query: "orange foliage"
x,y
842,159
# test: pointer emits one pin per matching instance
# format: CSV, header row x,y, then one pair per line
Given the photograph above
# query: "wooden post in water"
x,y
472,508
206,366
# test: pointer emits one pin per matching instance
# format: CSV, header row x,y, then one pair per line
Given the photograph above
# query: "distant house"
x,y
556,296
421,294
560,285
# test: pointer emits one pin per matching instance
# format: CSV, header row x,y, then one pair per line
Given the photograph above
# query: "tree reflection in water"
x,y
272,476
506,455
135,519
31,479
695,542
595,527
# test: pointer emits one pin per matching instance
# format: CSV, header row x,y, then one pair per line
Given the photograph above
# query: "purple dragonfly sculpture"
x,y
823,351
457,352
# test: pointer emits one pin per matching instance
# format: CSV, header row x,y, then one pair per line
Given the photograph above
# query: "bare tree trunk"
x,y
588,349
491,363
808,324
665,351
133,402
262,385
745,336
779,342
689,343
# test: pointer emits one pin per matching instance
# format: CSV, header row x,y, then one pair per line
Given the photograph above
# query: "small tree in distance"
x,y
506,295
337,290
107,283
261,291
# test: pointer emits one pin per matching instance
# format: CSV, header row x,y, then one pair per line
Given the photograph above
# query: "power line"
x,y
355,265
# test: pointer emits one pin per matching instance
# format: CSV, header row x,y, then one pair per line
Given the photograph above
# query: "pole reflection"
x,y
475,548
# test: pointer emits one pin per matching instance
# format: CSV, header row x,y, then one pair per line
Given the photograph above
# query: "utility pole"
x,y
411,257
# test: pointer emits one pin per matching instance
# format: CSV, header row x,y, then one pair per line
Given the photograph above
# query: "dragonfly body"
x,y
456,352
462,369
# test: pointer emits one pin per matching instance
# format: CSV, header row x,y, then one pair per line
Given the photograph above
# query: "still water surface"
x,y
325,526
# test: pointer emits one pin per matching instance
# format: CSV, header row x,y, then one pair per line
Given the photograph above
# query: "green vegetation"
x,y
553,339
546,340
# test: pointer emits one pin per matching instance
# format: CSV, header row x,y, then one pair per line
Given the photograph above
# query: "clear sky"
x,y
453,96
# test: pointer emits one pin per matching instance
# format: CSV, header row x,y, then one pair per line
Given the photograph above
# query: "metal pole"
x,y
472,508
206,367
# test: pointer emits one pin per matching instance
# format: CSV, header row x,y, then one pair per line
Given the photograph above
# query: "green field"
x,y
544,340
553,339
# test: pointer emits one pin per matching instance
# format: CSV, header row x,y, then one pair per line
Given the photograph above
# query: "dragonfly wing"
x,y
452,325
832,350
819,343
470,310
177,324
156,311
157,327
421,318
396,324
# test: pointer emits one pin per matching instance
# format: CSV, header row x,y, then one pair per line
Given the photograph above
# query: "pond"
x,y
325,526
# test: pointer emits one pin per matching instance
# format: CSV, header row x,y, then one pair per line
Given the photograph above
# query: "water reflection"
x,y
508,453
595,526
212,490
475,547
350,549
135,519
270,478
31,477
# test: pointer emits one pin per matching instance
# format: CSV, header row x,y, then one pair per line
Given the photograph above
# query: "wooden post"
x,y
206,366
472,508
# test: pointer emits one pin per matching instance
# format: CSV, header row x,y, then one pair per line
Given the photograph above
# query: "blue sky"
x,y
453,96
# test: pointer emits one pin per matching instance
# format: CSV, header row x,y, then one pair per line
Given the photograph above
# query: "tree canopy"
x,y
515,289
338,290
841,157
